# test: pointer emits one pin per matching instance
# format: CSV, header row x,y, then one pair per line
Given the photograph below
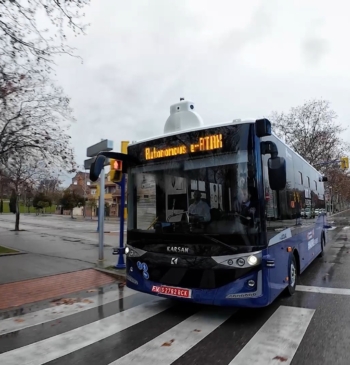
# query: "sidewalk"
x,y
81,218
25,292
49,253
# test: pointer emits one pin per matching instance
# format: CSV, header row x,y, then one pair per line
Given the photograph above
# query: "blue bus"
x,y
215,213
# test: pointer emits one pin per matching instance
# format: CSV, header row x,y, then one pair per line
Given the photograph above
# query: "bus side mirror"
x,y
323,179
277,173
262,127
96,167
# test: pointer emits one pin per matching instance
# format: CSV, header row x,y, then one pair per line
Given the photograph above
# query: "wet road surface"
x,y
115,325
53,245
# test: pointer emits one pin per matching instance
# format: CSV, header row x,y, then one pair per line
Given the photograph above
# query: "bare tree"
x,y
339,182
312,131
48,186
24,172
34,119
22,40
5,185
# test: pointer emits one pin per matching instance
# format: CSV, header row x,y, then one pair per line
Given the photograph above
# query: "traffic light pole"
x,y
121,262
101,214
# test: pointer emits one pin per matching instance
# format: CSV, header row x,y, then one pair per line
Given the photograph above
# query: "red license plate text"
x,y
175,292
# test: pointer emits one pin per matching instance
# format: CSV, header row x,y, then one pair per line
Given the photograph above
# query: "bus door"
x,y
277,236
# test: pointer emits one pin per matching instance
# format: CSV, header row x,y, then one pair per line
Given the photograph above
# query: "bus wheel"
x,y
293,273
322,246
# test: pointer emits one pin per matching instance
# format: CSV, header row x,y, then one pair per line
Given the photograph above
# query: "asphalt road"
x,y
53,245
119,326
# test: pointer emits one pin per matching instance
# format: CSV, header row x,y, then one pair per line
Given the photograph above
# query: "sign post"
x,y
121,262
87,165
101,216
92,151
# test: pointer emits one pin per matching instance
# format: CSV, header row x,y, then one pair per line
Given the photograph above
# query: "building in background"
x,y
81,183
83,186
112,196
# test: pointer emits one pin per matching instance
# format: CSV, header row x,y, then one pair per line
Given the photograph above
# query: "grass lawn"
x,y
6,250
24,209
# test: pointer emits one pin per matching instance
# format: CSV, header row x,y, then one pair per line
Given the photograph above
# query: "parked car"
x,y
308,213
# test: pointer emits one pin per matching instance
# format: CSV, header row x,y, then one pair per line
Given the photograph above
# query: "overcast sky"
x,y
233,59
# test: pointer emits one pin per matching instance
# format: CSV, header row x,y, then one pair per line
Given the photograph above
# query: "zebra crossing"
x,y
115,329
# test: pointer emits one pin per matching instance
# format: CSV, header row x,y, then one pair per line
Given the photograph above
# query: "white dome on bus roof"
x,y
182,117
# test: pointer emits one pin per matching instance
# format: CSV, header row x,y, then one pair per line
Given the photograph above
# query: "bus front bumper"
x,y
248,291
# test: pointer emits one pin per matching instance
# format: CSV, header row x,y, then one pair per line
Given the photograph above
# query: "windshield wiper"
x,y
234,249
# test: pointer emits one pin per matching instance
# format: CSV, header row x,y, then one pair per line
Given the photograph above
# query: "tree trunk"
x,y
17,214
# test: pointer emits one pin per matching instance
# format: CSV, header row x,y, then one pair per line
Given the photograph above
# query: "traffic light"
x,y
344,163
116,173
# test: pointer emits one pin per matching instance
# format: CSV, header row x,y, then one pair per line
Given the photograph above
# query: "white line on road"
x,y
53,313
55,347
321,290
172,344
278,339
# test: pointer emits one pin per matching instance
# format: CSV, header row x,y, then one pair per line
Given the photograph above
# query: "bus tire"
x,y
292,274
322,246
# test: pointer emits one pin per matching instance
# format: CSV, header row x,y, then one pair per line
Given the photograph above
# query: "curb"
x,y
118,275
18,252
13,253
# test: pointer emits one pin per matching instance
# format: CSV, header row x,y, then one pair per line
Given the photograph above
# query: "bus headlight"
x,y
252,260
129,251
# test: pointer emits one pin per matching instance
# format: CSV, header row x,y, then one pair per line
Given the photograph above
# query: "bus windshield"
x,y
214,196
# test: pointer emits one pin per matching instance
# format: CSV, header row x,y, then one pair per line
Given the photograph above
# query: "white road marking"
x,y
340,212
346,227
53,313
319,289
172,344
278,339
57,346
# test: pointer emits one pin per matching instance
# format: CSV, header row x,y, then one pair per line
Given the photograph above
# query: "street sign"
x,y
88,162
92,151
104,145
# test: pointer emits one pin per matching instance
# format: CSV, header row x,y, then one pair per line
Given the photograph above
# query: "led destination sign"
x,y
208,143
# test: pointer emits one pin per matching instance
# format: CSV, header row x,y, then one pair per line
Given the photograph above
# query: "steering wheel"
x,y
176,214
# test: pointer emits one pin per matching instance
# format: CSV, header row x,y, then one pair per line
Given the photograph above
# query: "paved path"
x,y
17,294
52,245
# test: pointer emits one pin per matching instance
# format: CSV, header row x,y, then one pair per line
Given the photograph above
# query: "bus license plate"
x,y
175,292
